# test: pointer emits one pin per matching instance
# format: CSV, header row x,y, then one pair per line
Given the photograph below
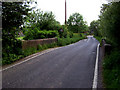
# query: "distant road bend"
x,y
71,66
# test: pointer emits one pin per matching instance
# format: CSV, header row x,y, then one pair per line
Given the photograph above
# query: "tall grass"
x,y
67,41
111,70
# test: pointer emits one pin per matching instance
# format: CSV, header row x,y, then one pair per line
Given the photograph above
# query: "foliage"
x,y
111,70
109,23
20,38
10,58
48,22
13,14
104,7
94,28
36,34
42,21
29,51
18,16
110,30
39,25
70,34
76,23
38,21
65,33
68,40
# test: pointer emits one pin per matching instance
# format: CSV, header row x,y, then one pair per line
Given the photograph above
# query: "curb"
x,y
96,70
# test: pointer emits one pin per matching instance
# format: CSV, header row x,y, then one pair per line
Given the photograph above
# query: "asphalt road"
x,y
71,66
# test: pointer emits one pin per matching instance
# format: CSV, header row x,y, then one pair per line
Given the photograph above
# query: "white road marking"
x,y
96,70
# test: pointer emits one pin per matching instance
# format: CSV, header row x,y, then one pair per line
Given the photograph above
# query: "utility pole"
x,y
65,13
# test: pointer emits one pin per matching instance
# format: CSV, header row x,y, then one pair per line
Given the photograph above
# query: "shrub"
x,y
70,34
111,70
65,33
8,58
39,47
29,51
110,22
41,34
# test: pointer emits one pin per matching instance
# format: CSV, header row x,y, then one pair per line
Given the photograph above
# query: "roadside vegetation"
x,y
20,22
61,42
108,28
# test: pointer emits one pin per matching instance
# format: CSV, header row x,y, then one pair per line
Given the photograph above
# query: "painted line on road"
x,y
30,59
96,70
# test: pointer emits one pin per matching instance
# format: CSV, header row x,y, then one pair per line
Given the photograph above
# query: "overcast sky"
x,y
89,9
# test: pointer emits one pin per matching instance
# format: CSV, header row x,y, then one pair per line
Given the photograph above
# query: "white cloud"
x,y
90,9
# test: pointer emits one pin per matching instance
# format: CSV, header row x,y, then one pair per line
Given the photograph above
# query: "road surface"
x,y
71,66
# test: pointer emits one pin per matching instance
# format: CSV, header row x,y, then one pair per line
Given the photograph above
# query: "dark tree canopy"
x,y
42,20
94,27
110,23
76,23
75,19
13,14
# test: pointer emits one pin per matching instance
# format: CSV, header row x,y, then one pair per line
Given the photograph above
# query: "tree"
x,y
43,21
104,7
94,27
13,14
110,23
76,23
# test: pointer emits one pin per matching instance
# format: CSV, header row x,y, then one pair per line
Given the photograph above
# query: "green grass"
x,y
8,59
99,39
67,41
111,69
60,42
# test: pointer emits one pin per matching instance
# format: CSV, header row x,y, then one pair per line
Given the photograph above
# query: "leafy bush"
x,y
52,45
65,33
30,35
76,23
29,51
111,70
39,47
70,34
110,22
9,58
11,50
66,41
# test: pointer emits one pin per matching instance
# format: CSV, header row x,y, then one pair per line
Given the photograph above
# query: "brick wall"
x,y
34,43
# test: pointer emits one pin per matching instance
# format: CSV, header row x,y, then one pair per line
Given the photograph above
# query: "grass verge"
x,y
99,39
10,58
111,69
